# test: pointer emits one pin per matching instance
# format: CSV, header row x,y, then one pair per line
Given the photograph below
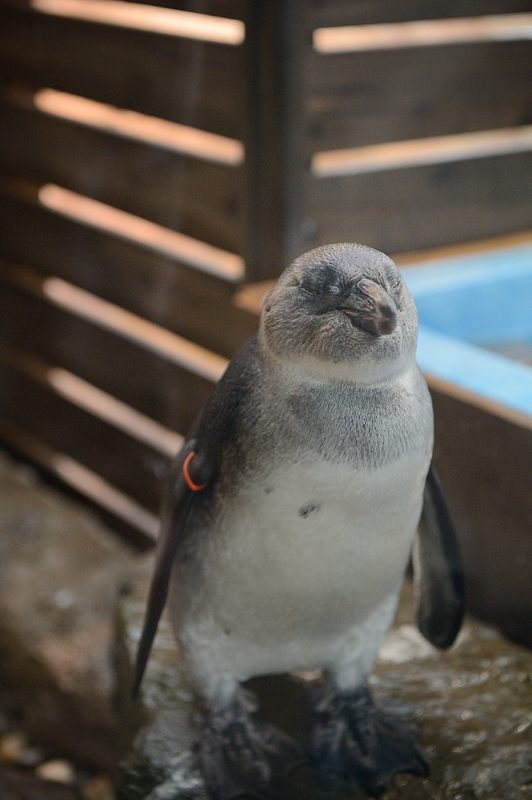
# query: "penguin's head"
x,y
342,310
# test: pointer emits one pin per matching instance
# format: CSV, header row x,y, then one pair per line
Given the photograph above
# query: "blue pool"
x,y
475,315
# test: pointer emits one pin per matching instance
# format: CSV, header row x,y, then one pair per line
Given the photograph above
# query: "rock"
x,y
98,788
14,749
12,745
16,785
471,704
57,770
61,573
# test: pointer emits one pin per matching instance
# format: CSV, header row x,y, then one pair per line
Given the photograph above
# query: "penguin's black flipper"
x,y
195,465
190,471
438,572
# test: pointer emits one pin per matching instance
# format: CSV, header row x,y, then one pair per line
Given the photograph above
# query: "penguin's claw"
x,y
357,747
241,756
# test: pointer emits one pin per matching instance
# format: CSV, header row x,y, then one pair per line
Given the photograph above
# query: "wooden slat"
x,y
196,305
187,355
192,195
138,16
95,401
252,295
383,96
460,250
125,515
182,139
130,465
360,12
427,206
234,9
195,253
423,33
484,462
416,152
155,386
190,82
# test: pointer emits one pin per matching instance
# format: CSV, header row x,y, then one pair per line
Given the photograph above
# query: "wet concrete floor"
x,y
472,705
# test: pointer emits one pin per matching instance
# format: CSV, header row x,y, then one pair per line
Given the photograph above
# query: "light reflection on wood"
x,y
125,323
136,229
423,33
83,480
419,152
96,401
131,124
168,21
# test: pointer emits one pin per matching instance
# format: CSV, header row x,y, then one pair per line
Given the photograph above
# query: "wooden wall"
x,y
153,161
420,122
121,154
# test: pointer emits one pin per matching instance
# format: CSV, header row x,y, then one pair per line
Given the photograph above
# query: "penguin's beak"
x,y
371,308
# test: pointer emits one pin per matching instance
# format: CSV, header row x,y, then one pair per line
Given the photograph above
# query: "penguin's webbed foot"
x,y
241,755
358,747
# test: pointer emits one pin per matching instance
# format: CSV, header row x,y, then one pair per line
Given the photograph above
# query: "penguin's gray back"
x,y
317,503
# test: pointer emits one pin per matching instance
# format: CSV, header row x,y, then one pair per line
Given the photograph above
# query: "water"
x,y
517,350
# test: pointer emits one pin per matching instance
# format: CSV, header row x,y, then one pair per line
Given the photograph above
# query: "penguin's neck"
x,y
315,372
363,422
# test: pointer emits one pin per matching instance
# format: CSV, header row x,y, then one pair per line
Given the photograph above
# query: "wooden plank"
x,y
383,96
123,514
360,12
422,33
191,82
277,148
139,377
126,463
182,139
427,206
414,257
194,253
186,354
234,9
252,295
484,463
138,16
95,401
192,195
196,305
417,152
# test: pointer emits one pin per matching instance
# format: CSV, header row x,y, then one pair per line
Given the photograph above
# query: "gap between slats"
x,y
153,19
173,136
83,480
104,217
171,346
422,152
422,33
95,401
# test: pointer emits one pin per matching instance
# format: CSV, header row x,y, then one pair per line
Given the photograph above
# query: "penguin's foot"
x,y
358,747
241,755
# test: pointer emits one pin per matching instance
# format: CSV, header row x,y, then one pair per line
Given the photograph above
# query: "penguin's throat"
x,y
363,372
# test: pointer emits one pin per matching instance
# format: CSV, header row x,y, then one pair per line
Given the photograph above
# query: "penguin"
x,y
292,513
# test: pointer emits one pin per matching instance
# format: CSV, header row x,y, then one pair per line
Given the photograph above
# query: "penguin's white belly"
x,y
305,555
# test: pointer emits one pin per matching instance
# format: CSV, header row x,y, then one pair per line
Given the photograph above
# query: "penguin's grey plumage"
x,y
315,450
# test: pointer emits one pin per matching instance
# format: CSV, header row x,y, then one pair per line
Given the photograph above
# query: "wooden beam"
x,y
277,155
423,33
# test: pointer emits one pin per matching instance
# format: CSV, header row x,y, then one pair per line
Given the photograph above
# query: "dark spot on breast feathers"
x,y
308,509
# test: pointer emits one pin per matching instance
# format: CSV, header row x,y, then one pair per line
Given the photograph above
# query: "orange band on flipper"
x,y
194,487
